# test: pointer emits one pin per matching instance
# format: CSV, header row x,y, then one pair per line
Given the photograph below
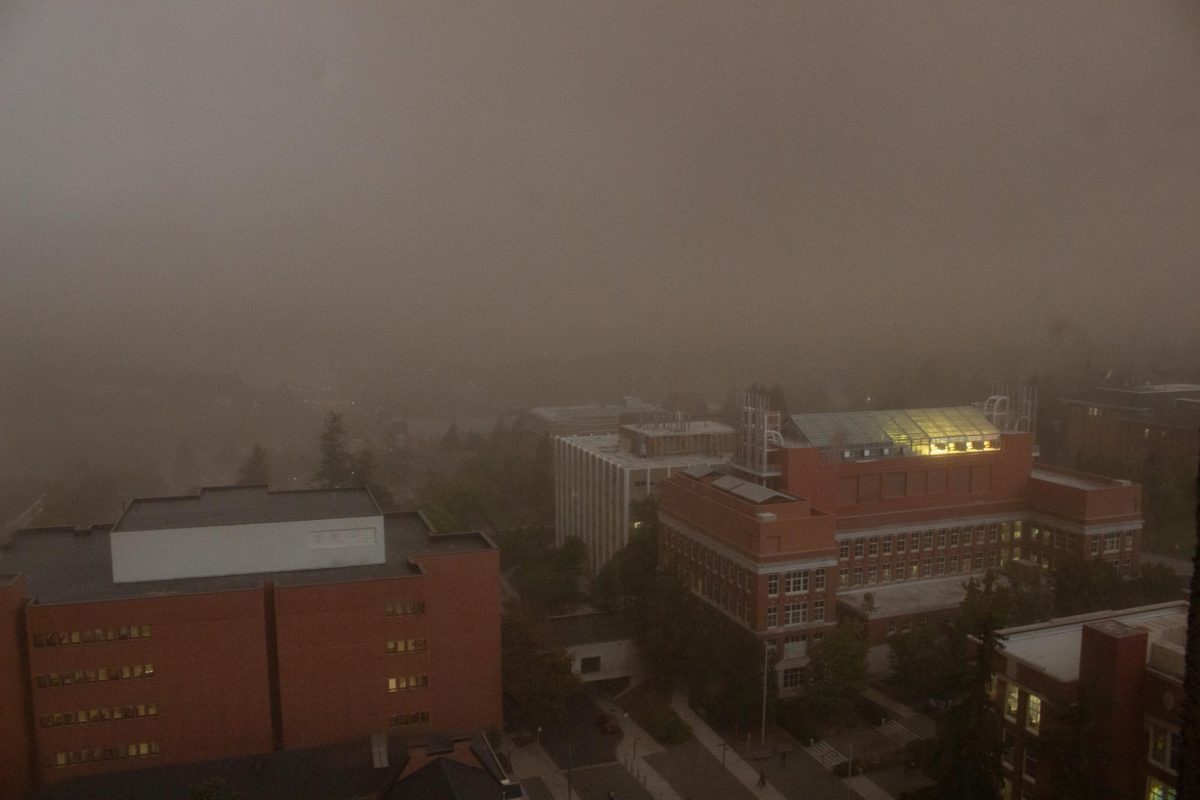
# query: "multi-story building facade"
x,y
910,504
596,478
1119,428
239,621
763,558
1116,678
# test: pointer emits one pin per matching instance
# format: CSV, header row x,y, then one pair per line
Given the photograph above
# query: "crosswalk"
x,y
898,733
825,754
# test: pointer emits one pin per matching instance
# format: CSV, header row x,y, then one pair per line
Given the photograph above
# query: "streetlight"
x,y
766,657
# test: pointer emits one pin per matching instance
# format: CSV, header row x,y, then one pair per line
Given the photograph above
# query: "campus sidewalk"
x,y
746,774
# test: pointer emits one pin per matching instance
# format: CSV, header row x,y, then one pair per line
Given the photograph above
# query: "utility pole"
x,y
569,771
766,657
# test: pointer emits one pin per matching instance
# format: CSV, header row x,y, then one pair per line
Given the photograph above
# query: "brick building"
x,y
882,516
240,621
1125,669
1121,427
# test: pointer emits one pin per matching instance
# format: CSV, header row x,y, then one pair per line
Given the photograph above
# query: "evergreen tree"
x,y
536,668
450,441
254,471
335,470
966,761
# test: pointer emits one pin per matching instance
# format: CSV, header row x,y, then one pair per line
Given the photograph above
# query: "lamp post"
x,y
766,658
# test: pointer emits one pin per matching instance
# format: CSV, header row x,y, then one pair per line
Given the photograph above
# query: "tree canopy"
x,y
536,668
255,469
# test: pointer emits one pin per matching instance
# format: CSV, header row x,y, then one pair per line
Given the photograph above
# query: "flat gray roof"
x,y
910,597
1053,647
1074,480
243,505
63,565
591,628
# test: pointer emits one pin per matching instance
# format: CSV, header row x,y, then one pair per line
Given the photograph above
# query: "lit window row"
x,y
134,750
411,718
407,682
406,646
404,609
92,635
124,672
925,540
107,714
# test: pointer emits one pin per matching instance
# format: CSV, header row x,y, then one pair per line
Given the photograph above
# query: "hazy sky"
x,y
239,184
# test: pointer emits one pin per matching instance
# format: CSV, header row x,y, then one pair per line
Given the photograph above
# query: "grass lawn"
x,y
650,707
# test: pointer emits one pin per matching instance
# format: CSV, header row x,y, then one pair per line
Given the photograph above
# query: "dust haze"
x,y
460,208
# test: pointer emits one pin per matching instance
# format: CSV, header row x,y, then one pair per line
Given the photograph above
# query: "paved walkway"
x,y
632,750
746,774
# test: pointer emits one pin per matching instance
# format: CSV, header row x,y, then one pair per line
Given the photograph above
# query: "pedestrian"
x,y
762,779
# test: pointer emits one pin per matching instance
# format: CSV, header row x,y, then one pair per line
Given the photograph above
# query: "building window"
x,y
793,646
941,566
900,542
857,577
843,577
410,718
843,550
941,538
871,574
1094,545
403,609
1008,748
914,567
1164,748
954,537
858,548
885,573
887,545
927,540
1129,540
406,646
873,547
1030,768
797,582
819,579
1012,700
926,566
772,586
891,629
589,665
953,564
772,617
1112,542
1033,713
979,560
795,613
818,614
791,678
1006,789
1157,790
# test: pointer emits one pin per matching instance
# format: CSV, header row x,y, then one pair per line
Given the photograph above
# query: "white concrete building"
x,y
597,477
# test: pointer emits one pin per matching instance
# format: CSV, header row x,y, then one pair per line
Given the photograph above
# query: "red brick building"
x,y
1126,668
1122,427
237,622
885,514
